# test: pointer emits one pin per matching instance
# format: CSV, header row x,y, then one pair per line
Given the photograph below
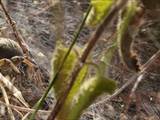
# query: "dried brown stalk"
x,y
18,37
10,113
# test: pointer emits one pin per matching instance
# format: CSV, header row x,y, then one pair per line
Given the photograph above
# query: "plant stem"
x,y
18,37
114,10
39,103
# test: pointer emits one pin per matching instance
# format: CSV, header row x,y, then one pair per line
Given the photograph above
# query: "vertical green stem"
x,y
40,102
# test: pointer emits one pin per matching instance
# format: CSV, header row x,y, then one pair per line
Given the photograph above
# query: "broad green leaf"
x,y
61,86
83,93
65,111
87,93
62,80
79,80
99,11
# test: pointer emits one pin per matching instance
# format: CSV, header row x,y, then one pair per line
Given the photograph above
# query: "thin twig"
x,y
24,109
143,72
151,61
145,67
85,54
15,31
137,78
